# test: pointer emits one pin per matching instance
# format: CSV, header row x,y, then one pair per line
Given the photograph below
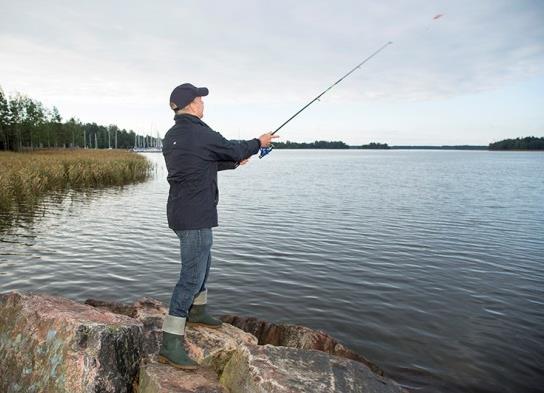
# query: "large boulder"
x,y
270,369
211,348
298,360
296,336
53,344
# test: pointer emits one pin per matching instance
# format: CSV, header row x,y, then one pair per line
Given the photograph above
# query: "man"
x,y
194,153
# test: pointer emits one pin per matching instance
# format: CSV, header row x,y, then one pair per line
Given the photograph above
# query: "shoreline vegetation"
x,y
519,144
25,177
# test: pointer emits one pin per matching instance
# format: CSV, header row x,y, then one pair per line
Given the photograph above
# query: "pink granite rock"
x,y
302,359
53,344
271,369
214,347
150,312
207,346
160,378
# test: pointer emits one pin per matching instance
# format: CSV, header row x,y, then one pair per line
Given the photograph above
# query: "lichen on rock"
x,y
53,344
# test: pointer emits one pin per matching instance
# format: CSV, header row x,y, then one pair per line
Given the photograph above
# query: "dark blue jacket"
x,y
194,153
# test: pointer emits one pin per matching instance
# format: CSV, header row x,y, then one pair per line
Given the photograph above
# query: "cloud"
x,y
130,55
263,48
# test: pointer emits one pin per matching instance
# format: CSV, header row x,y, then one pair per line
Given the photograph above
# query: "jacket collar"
x,y
187,117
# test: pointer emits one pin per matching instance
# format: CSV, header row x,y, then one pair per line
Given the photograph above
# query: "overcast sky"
x,y
473,76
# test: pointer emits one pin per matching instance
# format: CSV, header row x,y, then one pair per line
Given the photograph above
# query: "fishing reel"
x,y
265,150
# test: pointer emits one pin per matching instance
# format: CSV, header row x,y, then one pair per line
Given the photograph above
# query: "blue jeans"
x,y
196,258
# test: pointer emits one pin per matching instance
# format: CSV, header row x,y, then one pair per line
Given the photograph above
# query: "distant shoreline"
x,y
427,147
463,147
468,148
389,148
529,143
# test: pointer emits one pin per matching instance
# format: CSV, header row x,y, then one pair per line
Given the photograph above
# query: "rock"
x,y
296,336
150,312
53,344
270,369
214,347
160,378
114,307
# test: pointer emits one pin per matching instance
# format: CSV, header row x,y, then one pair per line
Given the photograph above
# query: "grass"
x,y
25,177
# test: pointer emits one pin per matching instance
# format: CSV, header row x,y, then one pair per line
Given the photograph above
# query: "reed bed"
x,y
25,177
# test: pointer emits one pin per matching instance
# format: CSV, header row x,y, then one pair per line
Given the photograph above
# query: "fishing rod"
x,y
266,150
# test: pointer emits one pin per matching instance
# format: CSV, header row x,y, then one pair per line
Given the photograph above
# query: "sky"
x,y
473,76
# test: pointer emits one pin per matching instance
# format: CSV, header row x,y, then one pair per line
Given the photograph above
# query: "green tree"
x,y
5,121
26,123
527,143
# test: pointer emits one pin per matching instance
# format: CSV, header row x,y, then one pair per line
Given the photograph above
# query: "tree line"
x,y
327,145
26,124
527,143
313,145
374,145
441,147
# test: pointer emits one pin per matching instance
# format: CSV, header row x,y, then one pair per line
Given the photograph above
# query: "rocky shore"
x,y
53,344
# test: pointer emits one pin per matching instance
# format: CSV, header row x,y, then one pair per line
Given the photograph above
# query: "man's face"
x,y
199,107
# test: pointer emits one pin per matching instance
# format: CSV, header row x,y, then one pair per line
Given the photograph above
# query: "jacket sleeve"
x,y
222,149
222,165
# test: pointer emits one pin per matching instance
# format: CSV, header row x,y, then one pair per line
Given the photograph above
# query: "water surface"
x,y
429,263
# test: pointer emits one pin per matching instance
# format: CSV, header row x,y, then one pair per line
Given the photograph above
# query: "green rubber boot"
x,y
172,349
199,316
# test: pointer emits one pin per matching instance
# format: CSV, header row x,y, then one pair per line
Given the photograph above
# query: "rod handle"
x,y
264,151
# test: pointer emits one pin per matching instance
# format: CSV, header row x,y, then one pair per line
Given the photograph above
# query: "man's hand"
x,y
266,139
243,162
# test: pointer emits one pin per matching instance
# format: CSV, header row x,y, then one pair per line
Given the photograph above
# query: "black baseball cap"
x,y
182,95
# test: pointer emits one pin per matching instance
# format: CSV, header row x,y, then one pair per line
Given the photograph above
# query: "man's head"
x,y
186,98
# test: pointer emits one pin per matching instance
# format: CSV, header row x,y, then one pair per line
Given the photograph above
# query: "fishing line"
x,y
266,150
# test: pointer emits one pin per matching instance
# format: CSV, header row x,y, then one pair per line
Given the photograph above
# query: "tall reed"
x,y
25,177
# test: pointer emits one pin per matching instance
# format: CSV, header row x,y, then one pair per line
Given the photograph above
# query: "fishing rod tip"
x,y
390,42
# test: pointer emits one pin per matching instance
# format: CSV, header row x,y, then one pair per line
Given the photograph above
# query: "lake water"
x,y
429,263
